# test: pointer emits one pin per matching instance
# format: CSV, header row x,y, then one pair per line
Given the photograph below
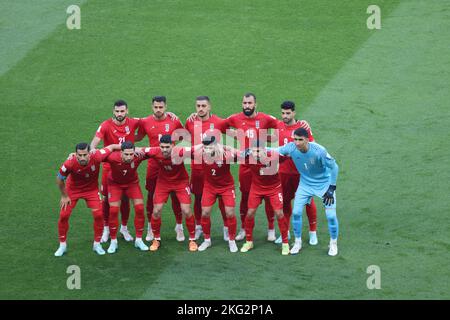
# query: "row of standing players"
x,y
78,178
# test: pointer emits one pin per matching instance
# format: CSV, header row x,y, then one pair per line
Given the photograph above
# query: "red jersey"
x,y
198,130
251,126
170,172
155,128
121,172
112,133
286,135
265,177
83,178
217,173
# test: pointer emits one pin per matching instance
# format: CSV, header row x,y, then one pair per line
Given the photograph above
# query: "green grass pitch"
x,y
377,99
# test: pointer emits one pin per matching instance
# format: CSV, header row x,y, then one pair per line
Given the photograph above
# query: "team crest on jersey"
x,y
132,165
257,124
87,175
93,167
219,164
127,129
167,127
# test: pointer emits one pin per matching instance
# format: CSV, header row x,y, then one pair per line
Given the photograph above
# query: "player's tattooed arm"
x,y
65,200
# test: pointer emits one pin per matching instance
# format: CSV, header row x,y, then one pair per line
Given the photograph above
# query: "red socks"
x,y
63,223
198,209
125,210
222,211
190,224
270,215
139,219
249,225
113,221
156,227
206,226
231,222
243,208
283,226
311,212
98,224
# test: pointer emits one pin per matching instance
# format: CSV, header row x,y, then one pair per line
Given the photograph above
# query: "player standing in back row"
x,y
117,130
249,122
288,173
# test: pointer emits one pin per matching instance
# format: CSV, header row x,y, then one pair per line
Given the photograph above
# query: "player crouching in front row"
x,y
81,171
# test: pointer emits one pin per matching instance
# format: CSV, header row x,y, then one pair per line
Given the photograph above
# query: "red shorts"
x,y
162,192
275,198
209,196
92,198
197,181
289,184
245,178
116,191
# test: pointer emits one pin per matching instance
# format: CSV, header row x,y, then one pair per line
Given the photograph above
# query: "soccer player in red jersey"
x,y
203,123
118,129
172,179
123,180
266,184
249,123
155,126
218,183
81,172
288,172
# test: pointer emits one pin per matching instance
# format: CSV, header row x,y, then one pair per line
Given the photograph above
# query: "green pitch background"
x,y
377,99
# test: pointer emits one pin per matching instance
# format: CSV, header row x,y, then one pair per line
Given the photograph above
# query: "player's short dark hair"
x,y
301,132
202,98
165,138
120,103
258,144
127,145
249,94
82,146
208,140
159,99
288,105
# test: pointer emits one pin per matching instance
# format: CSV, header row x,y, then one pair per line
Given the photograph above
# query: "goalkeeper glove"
x,y
328,197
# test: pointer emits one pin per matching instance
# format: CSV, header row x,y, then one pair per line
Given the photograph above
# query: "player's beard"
x,y
248,112
83,162
120,118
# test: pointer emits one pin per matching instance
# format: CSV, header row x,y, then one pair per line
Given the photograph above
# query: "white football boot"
x,y
198,231
105,235
140,244
113,246
205,245
333,248
297,246
313,238
232,245
125,233
241,235
61,250
150,235
97,247
180,233
271,235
